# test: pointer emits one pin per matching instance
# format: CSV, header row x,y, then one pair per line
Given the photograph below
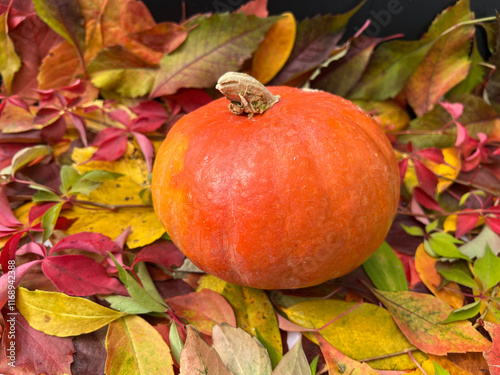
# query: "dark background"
x,y
410,17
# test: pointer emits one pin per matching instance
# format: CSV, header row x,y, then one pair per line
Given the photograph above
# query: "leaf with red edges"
x,y
425,200
492,355
163,253
432,154
88,241
78,275
466,222
420,317
427,179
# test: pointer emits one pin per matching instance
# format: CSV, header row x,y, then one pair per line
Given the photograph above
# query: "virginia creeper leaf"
x,y
147,282
26,156
46,196
93,242
136,348
385,269
492,355
241,353
69,176
444,245
6,279
457,272
49,220
61,315
198,357
163,253
487,269
220,43
294,362
420,317
466,312
10,62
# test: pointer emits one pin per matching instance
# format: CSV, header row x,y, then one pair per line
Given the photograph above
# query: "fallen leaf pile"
x,y
92,284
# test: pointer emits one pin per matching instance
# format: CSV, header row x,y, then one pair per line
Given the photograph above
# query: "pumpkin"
x,y
302,191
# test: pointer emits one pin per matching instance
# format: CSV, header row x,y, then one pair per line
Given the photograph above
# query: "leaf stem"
x,y
111,207
389,355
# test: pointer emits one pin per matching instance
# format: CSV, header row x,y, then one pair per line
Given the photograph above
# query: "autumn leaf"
x,y
492,355
10,62
135,347
420,317
294,362
60,315
275,49
219,43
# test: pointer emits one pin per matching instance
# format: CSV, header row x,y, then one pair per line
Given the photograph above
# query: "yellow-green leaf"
x,y
366,331
136,348
60,315
10,63
252,308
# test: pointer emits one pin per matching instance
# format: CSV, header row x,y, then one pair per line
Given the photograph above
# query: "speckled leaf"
x,y
199,358
61,315
136,348
364,332
219,43
294,362
419,316
10,62
252,309
241,353
492,355
203,309
338,361
446,63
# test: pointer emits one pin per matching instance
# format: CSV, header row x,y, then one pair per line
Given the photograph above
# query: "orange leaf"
x,y
275,49
60,68
426,269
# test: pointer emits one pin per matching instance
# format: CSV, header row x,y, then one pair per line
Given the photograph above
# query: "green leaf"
x,y
10,62
147,283
487,269
294,362
61,315
49,220
69,176
116,69
218,44
125,304
65,18
136,291
439,370
274,354
476,248
444,245
464,313
431,226
91,180
46,196
457,272
429,250
413,230
25,157
176,343
314,365
385,269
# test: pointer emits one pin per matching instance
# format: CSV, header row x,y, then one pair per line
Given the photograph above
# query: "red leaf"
x,y
79,123
78,275
427,179
111,149
492,355
432,154
9,250
403,167
7,218
37,352
255,8
39,210
454,109
462,134
88,241
150,108
425,200
106,135
191,99
33,248
121,116
493,223
6,279
163,253
146,148
466,222
45,115
7,151
164,37
77,87
54,132
146,124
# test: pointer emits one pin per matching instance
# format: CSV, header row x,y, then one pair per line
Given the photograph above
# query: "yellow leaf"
x,y
425,265
366,331
446,364
388,114
146,228
450,224
275,49
60,315
135,347
252,309
449,171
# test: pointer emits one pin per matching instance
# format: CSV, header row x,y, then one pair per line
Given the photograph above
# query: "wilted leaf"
x,y
199,358
252,309
385,270
10,62
275,49
446,63
419,316
338,361
294,362
426,268
164,37
203,309
364,332
241,353
220,43
136,348
61,315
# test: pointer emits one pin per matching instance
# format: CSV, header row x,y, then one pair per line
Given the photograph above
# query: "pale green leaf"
x,y
386,270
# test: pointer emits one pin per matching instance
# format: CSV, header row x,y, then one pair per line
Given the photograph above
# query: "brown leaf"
x,y
164,37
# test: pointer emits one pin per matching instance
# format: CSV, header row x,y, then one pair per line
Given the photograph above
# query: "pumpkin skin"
x,y
290,198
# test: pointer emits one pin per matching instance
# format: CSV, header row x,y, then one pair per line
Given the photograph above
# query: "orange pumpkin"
x,y
300,194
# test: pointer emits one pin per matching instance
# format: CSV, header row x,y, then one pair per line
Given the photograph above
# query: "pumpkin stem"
x,y
246,94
